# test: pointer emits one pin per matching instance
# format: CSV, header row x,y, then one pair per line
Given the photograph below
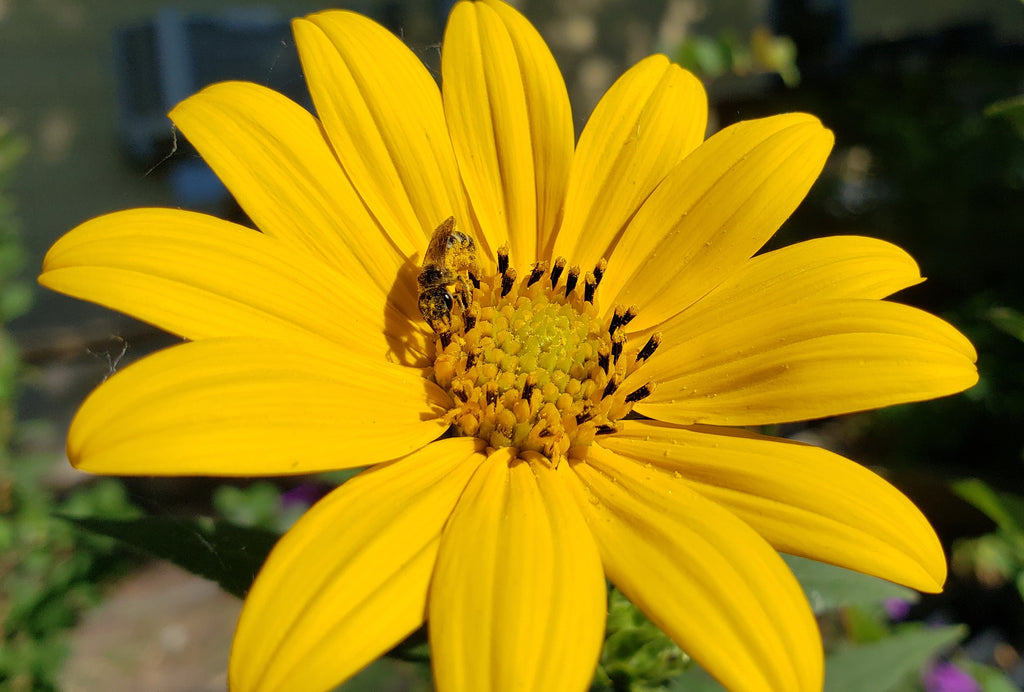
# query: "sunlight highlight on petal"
x,y
272,155
819,269
199,277
385,121
356,569
702,575
816,359
247,407
649,120
803,500
518,598
713,212
509,119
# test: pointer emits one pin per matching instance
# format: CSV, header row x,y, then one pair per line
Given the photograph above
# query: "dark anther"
x,y
460,392
473,278
605,430
446,338
589,287
469,319
616,320
538,271
531,382
612,385
584,415
629,315
508,278
604,360
571,280
502,259
600,269
491,395
470,359
649,348
618,339
556,271
640,394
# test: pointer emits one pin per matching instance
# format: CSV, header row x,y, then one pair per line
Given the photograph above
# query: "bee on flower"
x,y
449,269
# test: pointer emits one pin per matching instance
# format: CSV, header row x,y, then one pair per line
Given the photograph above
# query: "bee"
x,y
449,267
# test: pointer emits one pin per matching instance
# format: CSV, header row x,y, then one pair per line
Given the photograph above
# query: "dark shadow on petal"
x,y
410,341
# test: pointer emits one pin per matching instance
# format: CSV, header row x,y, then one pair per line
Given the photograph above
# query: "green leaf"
x,y
1007,320
1012,109
1006,510
695,679
215,549
829,587
881,666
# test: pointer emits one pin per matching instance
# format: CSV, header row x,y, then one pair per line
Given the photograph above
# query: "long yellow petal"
x,y
234,407
272,155
648,121
819,269
200,277
803,500
518,598
350,579
713,212
382,111
702,575
509,119
809,360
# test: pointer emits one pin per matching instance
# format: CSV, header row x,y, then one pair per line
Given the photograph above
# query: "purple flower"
x,y
304,494
946,677
897,608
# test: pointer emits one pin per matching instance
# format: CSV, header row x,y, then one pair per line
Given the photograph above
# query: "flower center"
x,y
530,363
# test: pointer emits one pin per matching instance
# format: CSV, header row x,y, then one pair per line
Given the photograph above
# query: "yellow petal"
x,y
382,111
272,155
713,212
702,575
803,500
819,269
649,120
518,597
509,119
350,579
200,277
251,407
810,360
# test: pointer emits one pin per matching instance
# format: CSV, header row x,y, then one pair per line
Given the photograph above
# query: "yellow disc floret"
x,y
530,364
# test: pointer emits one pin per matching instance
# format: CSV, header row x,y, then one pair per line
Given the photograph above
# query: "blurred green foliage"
x,y
710,57
49,571
260,505
637,656
995,558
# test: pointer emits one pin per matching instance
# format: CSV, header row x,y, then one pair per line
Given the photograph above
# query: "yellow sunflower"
x,y
507,477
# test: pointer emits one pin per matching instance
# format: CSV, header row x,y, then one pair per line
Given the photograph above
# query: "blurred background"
x,y
924,98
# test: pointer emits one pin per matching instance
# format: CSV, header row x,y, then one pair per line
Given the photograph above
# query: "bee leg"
x,y
462,294
473,278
